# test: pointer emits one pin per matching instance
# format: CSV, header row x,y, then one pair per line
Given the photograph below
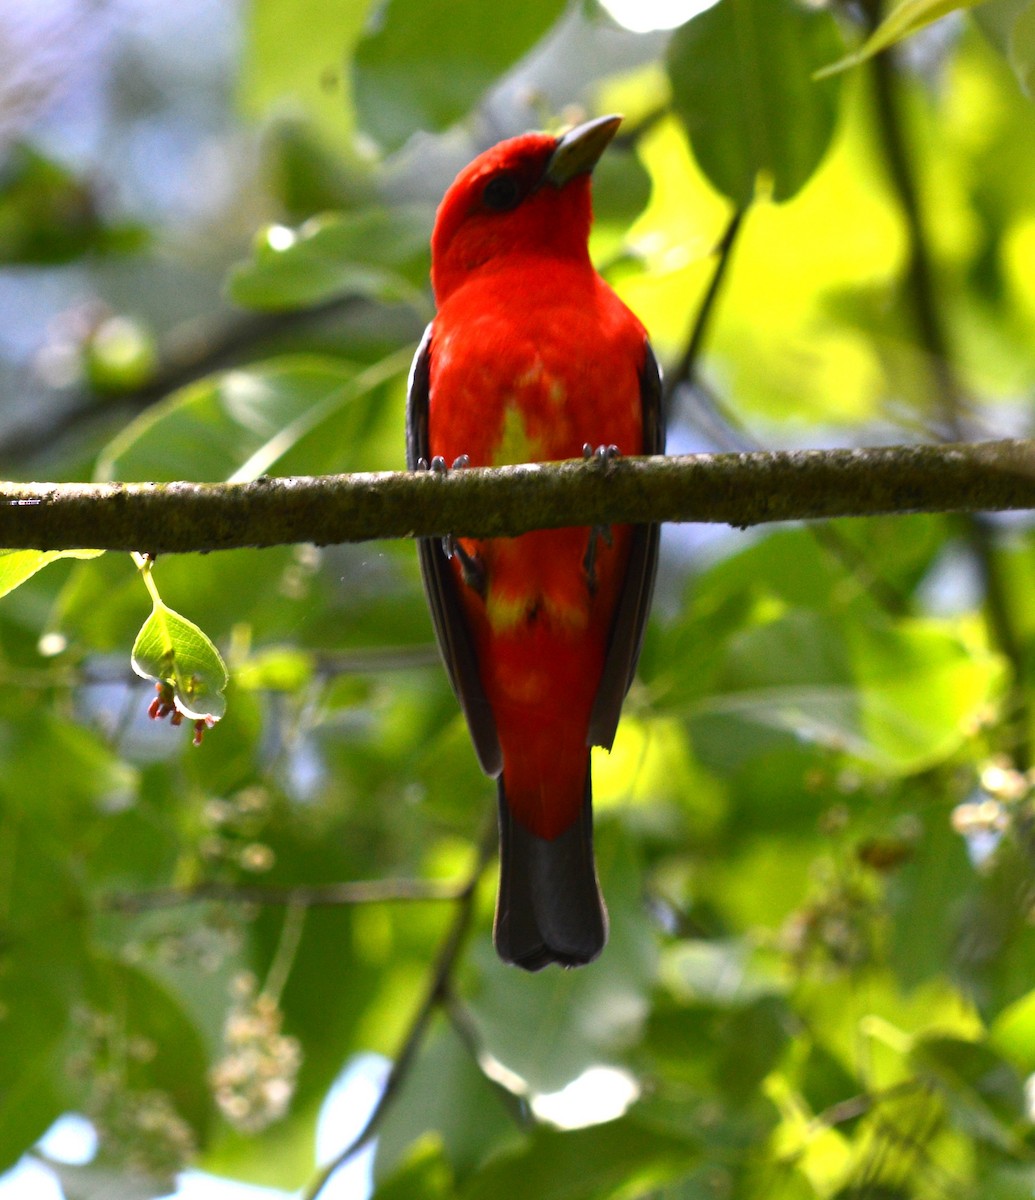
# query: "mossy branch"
x,y
733,489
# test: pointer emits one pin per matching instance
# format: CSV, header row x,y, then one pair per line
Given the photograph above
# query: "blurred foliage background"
x,y
816,828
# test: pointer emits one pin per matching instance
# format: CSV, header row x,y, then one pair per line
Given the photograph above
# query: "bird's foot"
x,y
601,454
472,568
604,455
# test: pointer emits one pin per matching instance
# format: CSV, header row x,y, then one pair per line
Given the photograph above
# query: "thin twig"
x,y
369,891
463,1025
858,1106
682,372
437,988
287,949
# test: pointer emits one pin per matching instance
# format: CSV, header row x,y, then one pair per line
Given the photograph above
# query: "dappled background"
x,y
815,829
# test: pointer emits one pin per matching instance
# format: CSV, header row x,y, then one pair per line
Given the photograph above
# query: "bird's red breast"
x,y
534,356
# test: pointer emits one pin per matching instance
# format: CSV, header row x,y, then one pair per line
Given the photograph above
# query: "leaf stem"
x,y
144,563
682,372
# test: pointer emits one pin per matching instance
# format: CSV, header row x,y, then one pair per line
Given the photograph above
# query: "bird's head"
x,y
527,195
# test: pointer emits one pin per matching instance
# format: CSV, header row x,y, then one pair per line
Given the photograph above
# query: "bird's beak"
x,y
579,150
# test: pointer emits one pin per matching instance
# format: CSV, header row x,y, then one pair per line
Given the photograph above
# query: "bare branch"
x,y
437,989
734,489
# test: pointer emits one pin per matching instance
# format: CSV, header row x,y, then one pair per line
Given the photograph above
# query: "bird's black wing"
x,y
440,586
634,602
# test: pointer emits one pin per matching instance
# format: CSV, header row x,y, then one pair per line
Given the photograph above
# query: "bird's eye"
x,y
502,193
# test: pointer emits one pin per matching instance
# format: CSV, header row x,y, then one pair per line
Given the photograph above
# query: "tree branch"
x,y
734,489
435,993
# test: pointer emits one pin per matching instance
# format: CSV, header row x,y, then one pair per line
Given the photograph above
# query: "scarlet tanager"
x,y
531,358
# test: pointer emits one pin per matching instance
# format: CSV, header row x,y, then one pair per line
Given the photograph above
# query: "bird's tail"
x,y
549,907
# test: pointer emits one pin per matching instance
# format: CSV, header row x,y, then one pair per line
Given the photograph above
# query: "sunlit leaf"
x,y
296,65
174,651
1013,1033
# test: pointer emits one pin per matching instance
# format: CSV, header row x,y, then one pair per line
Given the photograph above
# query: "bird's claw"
x,y
600,454
472,569
471,566
438,464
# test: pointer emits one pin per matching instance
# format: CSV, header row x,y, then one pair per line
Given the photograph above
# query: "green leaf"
x,y
49,215
924,898
984,1093
584,1164
276,669
723,974
446,1098
425,1174
1022,49
901,697
43,945
31,1098
378,253
78,772
1013,1033
173,650
424,64
906,18
742,84
18,565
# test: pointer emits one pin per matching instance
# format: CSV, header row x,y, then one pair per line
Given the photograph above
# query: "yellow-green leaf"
x,y
174,651
905,18
16,566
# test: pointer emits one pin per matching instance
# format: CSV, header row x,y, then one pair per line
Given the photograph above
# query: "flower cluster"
x,y
255,1079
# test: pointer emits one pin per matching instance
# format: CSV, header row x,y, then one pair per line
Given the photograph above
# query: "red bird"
x,y
532,357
